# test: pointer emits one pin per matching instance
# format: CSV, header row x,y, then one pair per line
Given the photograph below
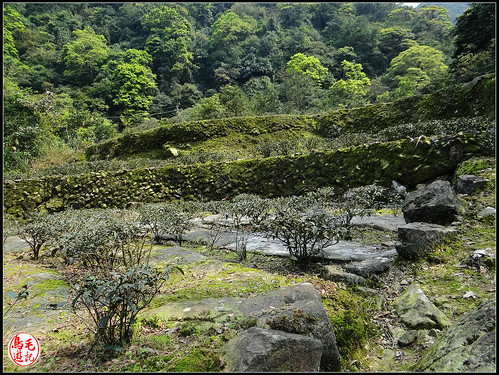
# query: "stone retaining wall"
x,y
409,162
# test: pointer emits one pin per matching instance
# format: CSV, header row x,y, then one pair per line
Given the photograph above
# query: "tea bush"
x,y
37,232
105,240
480,127
306,231
113,302
176,222
10,227
237,213
167,219
151,216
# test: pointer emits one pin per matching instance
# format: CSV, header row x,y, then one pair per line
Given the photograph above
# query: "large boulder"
x,y
262,350
417,311
296,309
468,345
416,240
436,203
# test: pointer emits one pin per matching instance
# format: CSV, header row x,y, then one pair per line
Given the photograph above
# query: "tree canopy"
x,y
77,72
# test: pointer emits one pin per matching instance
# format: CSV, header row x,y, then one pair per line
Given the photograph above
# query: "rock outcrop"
x,y
416,240
469,345
469,184
262,350
296,309
436,203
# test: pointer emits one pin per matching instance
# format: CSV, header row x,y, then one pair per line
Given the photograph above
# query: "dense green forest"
x,y
79,73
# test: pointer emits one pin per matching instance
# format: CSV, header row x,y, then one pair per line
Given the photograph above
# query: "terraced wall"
x,y
408,162
474,99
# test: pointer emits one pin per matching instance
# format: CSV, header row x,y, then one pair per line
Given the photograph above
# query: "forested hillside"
x,y
249,187
79,73
455,9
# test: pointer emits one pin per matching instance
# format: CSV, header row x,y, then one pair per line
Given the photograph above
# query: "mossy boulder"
x,y
436,203
417,240
468,345
262,350
417,311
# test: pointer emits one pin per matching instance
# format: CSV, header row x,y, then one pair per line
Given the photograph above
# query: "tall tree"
x,y
416,69
132,86
475,40
84,56
353,87
309,66
170,43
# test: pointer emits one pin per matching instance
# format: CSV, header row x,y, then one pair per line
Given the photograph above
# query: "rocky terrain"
x,y
397,297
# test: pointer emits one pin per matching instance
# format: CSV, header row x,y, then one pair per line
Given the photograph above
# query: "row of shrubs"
x,y
107,253
466,101
481,127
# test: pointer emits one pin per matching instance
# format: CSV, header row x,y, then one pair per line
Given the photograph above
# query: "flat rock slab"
x,y
369,267
343,251
15,244
178,255
336,273
387,223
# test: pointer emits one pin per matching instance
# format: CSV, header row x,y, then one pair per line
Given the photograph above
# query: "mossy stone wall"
x,y
409,162
470,100
190,132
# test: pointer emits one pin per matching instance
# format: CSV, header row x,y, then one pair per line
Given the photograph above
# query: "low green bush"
x,y
114,301
37,232
165,218
306,231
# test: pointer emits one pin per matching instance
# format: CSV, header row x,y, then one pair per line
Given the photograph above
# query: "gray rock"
x,y
296,309
382,222
416,240
481,258
468,345
400,189
369,267
487,212
337,274
469,184
408,338
436,203
15,244
417,311
261,350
